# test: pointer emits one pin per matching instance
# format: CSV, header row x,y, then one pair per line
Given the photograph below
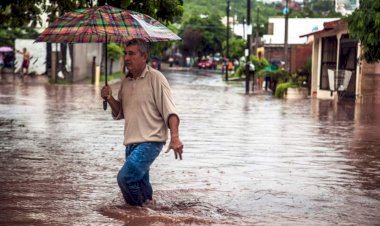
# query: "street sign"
x,y
285,10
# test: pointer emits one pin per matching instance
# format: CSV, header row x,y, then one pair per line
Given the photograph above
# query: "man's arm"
x,y
115,105
175,142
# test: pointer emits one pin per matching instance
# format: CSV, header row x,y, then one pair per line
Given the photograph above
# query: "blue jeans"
x,y
133,177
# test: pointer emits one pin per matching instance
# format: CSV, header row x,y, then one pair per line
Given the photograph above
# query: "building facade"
x,y
337,70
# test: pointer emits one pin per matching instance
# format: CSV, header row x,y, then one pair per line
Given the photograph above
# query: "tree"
x,y
113,53
27,13
20,13
236,47
164,10
322,6
364,25
202,36
18,20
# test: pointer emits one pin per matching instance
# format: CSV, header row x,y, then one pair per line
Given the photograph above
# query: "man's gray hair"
x,y
142,45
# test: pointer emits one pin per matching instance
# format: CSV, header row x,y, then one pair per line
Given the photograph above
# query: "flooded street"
x,y
249,160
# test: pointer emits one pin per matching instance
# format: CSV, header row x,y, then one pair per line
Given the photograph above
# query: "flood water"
x,y
249,160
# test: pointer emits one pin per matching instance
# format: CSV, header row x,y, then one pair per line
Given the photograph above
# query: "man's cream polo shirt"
x,y
147,104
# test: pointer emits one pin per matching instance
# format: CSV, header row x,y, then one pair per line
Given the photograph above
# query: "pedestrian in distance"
x,y
1,61
25,61
145,103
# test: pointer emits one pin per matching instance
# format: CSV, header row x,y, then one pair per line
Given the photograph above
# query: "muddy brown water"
x,y
249,160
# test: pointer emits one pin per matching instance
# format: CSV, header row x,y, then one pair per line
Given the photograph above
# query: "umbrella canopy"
x,y
4,49
105,24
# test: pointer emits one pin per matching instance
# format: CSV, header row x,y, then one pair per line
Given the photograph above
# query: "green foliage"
x,y
202,36
236,47
8,35
114,51
56,8
238,9
288,81
27,13
279,74
165,11
364,25
322,6
282,87
260,64
18,20
20,14
110,77
239,71
313,9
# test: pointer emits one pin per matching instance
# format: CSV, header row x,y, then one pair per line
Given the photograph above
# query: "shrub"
x,y
280,74
282,87
260,64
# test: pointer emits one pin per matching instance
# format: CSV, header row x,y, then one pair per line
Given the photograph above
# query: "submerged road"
x,y
249,160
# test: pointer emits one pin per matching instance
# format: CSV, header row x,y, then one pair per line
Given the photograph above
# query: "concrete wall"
x,y
83,55
370,83
83,58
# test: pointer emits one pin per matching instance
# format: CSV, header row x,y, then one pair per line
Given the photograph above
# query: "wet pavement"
x,y
249,160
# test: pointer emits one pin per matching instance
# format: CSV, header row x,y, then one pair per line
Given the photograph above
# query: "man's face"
x,y
134,60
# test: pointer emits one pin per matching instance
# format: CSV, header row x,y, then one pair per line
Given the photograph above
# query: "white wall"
x,y
83,54
296,28
37,55
83,57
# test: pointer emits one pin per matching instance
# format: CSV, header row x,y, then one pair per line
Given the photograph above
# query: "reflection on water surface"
x,y
248,159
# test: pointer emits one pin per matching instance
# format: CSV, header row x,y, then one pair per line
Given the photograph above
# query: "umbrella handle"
x,y
104,104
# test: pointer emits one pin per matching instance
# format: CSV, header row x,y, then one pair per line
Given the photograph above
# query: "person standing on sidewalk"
x,y
146,104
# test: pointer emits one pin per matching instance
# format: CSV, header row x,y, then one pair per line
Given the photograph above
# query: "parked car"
x,y
207,64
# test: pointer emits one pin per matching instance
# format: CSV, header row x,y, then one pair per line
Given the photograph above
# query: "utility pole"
x,y
248,50
243,27
228,37
257,31
286,12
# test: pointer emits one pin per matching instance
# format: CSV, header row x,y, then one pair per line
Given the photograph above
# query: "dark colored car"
x,y
207,64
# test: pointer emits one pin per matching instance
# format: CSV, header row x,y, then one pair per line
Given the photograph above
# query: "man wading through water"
x,y
146,105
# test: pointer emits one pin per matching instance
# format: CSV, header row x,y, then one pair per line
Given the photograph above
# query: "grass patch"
x,y
113,76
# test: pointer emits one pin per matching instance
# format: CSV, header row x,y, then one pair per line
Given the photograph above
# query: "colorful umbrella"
x,y
105,24
4,49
